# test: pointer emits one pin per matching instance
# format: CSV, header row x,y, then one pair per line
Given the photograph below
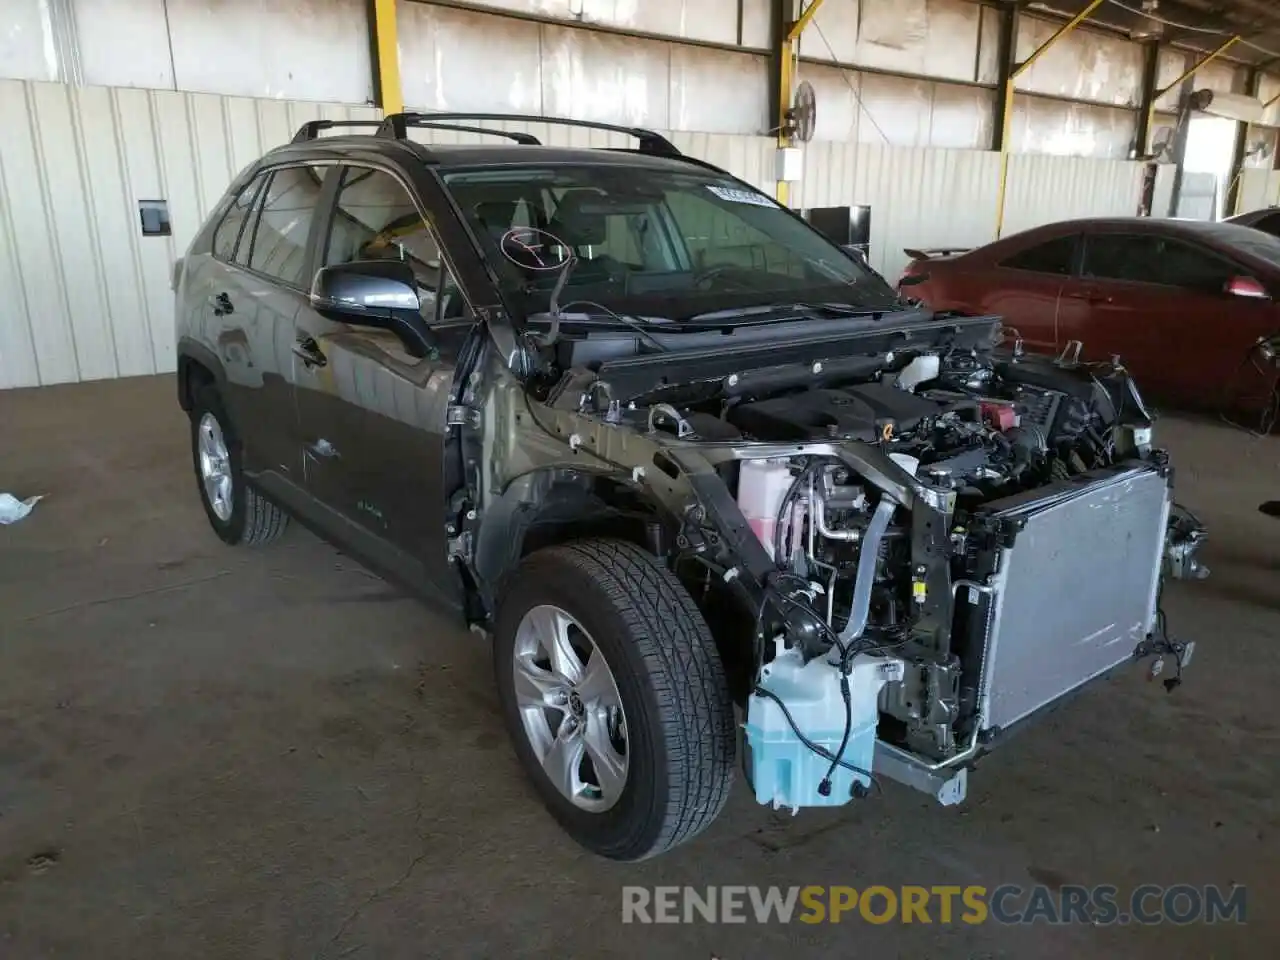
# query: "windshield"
x,y
653,242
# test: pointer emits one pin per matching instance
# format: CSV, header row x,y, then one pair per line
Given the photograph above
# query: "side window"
x,y
1120,257
1054,256
287,209
375,218
228,233
1187,266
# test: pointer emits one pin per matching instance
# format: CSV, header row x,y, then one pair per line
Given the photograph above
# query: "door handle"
x,y
1090,296
307,350
222,305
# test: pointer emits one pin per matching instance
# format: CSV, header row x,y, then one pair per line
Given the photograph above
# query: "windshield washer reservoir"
x,y
785,772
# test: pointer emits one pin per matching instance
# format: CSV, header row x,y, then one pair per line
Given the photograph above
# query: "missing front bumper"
x,y
1071,591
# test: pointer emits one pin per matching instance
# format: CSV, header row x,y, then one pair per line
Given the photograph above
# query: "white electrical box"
x,y
789,164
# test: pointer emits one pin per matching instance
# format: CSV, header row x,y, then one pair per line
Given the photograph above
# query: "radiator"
x,y
1075,593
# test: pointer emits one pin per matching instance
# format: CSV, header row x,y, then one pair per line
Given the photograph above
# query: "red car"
x,y
1183,303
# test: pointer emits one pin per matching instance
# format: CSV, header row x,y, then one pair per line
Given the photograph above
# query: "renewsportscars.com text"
x,y
1005,904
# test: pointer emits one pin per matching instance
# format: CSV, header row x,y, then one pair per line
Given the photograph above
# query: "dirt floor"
x,y
208,752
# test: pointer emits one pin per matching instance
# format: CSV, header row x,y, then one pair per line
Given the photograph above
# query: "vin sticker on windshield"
x,y
741,196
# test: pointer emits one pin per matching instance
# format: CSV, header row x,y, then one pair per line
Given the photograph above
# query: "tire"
x,y
253,520
679,722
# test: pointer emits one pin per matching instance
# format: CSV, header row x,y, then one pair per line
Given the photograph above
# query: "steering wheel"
x,y
701,277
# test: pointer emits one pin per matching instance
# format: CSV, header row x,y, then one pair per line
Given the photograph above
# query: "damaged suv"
x,y
678,456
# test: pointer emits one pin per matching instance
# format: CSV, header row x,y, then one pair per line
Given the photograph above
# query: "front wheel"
x,y
615,697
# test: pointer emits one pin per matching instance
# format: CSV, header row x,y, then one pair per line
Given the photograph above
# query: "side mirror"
x,y
374,293
1245,287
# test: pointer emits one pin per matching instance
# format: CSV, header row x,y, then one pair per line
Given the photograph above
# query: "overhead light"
x,y
1148,27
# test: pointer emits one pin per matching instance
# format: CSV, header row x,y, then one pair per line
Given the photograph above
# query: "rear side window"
x,y
230,229
278,247
1055,256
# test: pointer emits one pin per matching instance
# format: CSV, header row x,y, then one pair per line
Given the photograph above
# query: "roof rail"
x,y
396,126
311,129
427,122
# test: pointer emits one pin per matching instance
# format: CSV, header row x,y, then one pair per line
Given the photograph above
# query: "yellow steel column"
x,y
1007,113
386,56
786,66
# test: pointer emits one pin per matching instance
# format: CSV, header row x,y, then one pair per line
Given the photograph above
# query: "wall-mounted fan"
x,y
1259,150
802,116
1162,145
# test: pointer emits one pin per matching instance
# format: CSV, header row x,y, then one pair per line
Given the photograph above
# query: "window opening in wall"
x,y
154,215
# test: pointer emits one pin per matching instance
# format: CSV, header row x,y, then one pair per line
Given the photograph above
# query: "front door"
x,y
1024,290
1160,304
371,415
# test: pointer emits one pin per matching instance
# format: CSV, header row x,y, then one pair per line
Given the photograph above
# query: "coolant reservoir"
x,y
785,771
761,486
919,370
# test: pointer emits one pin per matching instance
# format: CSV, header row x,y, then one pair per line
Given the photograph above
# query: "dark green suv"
x,y
675,454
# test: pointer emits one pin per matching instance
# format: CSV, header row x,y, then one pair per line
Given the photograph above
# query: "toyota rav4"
x,y
711,490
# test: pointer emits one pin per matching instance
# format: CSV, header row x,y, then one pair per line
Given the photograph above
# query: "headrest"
x,y
579,219
496,215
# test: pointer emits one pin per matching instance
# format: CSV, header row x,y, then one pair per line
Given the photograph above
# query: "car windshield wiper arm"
x,y
830,309
596,311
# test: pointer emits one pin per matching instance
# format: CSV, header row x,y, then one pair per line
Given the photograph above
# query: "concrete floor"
x,y
207,752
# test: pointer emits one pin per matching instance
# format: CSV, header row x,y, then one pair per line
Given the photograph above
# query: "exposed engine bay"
x,y
933,540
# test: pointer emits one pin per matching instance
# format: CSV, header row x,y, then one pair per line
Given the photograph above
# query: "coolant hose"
x,y
867,560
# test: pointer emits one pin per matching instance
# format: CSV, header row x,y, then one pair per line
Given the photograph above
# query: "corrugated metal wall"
x,y
1162,196
918,198
85,295
1258,188
1043,189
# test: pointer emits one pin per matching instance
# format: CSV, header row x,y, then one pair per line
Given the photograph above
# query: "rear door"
x,y
252,297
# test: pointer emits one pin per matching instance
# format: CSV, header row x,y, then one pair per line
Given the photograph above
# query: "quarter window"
x,y
287,210
1055,256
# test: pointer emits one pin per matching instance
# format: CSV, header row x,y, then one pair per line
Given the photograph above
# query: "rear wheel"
x,y
615,697
238,513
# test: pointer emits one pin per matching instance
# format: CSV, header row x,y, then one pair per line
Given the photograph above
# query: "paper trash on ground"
x,y
12,509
